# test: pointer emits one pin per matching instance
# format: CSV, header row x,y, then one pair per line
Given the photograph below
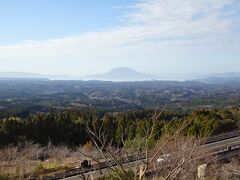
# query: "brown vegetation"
x,y
30,159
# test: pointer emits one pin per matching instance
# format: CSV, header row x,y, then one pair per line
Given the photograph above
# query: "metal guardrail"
x,y
96,167
221,137
133,158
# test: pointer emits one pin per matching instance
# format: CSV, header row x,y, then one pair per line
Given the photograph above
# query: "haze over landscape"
x,y
124,74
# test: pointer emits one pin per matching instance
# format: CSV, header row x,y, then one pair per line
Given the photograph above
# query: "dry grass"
x,y
30,159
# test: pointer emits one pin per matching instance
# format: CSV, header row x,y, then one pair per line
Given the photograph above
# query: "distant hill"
x,y
21,75
32,76
121,74
222,78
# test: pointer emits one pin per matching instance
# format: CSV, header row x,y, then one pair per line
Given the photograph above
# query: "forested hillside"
x,y
69,126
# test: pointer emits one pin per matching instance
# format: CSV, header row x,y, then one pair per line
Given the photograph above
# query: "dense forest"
x,y
68,127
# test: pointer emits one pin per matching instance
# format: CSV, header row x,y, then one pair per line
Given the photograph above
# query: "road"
x,y
204,150
221,144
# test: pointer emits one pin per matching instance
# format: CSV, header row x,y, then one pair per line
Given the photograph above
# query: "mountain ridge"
x,y
31,76
121,74
221,78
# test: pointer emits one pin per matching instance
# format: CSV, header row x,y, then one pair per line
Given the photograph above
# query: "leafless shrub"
x,y
8,154
176,160
25,159
226,170
30,151
177,154
58,152
233,168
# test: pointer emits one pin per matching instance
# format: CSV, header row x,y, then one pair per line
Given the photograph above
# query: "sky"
x,y
78,38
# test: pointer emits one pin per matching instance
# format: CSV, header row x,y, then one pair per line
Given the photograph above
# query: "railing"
x,y
133,158
221,137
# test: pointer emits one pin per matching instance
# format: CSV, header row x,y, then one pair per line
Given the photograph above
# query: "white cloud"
x,y
152,28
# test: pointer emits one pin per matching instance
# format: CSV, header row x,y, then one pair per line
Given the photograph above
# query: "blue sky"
x,y
78,38
22,20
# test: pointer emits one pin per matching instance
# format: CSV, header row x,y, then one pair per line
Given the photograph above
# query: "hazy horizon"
x,y
77,39
123,74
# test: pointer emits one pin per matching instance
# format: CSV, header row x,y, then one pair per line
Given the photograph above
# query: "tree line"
x,y
68,127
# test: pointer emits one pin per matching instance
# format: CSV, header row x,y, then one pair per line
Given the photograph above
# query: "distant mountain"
x,y
222,78
21,75
32,76
121,74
